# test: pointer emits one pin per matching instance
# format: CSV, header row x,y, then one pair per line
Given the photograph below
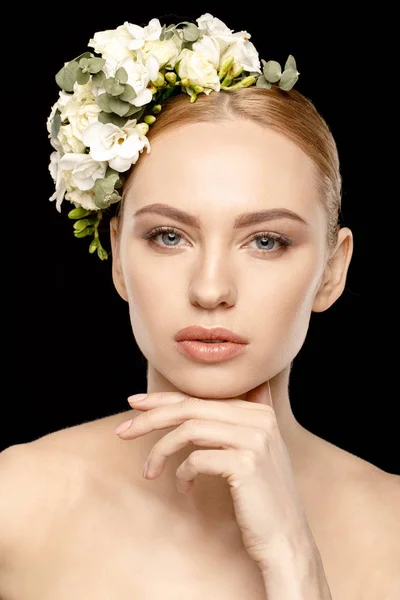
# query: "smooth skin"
x,y
97,528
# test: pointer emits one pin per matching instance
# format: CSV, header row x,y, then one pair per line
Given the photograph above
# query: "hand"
x,y
249,453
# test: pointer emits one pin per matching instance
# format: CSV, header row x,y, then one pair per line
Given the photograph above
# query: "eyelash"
x,y
282,241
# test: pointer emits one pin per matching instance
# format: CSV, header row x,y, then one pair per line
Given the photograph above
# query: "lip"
x,y
210,353
200,333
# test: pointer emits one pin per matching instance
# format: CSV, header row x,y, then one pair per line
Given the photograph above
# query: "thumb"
x,y
261,394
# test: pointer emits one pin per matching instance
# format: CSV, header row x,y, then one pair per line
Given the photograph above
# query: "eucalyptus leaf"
x,y
66,77
290,63
121,75
78,213
169,35
83,63
119,106
135,112
128,94
56,124
82,77
103,188
263,83
98,79
191,33
117,89
83,55
288,79
96,64
103,100
105,118
272,71
108,84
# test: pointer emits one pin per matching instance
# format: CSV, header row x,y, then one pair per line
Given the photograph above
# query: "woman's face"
x,y
219,274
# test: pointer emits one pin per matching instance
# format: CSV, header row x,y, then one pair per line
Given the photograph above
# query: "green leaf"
x,y
104,102
165,94
83,55
263,83
66,76
169,35
191,33
98,79
112,118
56,124
78,213
135,112
83,63
128,94
119,106
96,64
103,187
290,63
121,75
82,77
113,87
272,71
288,79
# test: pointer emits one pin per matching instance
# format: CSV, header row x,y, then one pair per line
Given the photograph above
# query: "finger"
x,y
163,417
157,399
204,434
206,462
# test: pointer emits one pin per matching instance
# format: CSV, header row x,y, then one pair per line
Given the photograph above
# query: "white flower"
x,y
81,109
140,35
244,53
112,42
120,146
218,31
68,141
139,76
58,179
84,170
199,70
79,198
208,47
166,52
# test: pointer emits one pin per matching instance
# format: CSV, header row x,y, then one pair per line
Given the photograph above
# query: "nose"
x,y
212,281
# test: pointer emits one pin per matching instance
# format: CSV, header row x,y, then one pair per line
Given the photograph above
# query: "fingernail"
x,y
123,427
137,398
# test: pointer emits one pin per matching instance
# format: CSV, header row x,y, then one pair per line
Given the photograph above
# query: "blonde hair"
x,y
289,113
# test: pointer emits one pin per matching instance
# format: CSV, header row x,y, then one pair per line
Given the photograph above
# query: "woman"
x,y
231,221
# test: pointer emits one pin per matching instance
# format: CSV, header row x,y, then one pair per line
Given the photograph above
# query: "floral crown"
x,y
110,98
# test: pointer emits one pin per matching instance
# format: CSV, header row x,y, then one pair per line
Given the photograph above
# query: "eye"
x,y
269,242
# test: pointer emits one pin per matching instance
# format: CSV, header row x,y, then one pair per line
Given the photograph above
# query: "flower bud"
x,y
235,70
142,128
247,81
160,81
198,89
226,65
93,245
185,82
193,98
156,109
152,88
170,77
149,119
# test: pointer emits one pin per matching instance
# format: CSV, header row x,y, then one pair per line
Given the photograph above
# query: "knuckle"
x,y
260,439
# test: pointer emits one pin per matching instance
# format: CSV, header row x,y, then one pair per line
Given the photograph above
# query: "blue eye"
x,y
271,242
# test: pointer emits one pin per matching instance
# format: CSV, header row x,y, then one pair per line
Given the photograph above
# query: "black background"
x,y
73,354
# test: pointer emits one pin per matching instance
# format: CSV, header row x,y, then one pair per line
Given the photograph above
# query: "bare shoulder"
x,y
42,479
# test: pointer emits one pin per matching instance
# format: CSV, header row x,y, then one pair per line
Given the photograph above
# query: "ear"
x,y
117,274
335,273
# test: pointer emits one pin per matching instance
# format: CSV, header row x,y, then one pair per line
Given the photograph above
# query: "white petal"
x,y
144,97
153,66
120,164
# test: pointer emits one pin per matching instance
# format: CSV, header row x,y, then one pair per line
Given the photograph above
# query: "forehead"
x,y
225,165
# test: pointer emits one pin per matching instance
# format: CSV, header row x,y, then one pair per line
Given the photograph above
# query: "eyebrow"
x,y
242,220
